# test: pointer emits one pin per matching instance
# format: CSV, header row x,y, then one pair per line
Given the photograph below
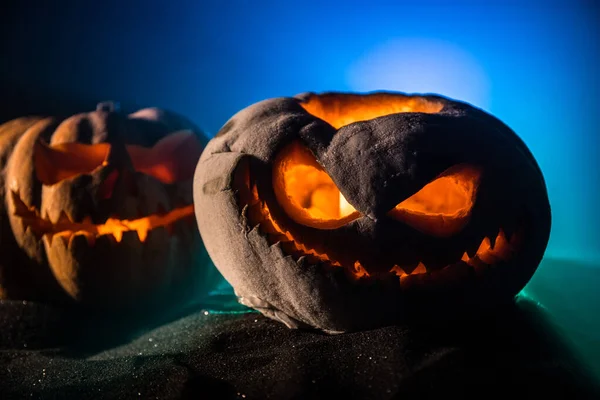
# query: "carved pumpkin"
x,y
348,211
100,208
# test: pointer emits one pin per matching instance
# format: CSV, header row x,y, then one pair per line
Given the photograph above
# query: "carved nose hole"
x,y
108,185
126,181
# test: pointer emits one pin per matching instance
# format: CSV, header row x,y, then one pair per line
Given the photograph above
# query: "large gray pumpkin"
x,y
97,208
349,211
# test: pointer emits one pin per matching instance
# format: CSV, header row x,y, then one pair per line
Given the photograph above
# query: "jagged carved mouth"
x,y
488,252
66,228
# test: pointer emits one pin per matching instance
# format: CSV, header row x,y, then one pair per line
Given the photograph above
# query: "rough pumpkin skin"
x,y
344,278
63,180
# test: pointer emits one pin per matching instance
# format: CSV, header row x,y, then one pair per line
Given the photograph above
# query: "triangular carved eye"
x,y
442,207
306,193
171,159
65,160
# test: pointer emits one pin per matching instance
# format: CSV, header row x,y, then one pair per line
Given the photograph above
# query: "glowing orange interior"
x,y
66,228
170,160
117,227
258,213
343,109
310,197
486,255
306,192
443,206
66,160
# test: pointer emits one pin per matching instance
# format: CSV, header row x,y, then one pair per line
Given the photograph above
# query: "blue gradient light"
x,y
422,65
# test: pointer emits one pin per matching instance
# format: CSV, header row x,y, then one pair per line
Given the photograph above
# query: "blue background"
x,y
532,64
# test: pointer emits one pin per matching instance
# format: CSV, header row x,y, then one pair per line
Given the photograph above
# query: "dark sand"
x,y
520,350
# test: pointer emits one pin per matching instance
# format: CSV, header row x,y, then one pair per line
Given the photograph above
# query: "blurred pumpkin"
x,y
345,211
100,209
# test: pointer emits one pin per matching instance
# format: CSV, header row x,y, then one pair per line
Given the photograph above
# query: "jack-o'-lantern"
x,y
100,209
345,211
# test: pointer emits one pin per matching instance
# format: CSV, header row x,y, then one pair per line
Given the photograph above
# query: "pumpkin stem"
x,y
108,106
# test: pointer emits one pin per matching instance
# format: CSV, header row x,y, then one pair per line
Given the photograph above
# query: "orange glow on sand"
x,y
343,109
442,207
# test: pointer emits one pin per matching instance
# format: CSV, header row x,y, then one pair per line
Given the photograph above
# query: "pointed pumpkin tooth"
x,y
501,238
503,249
50,214
118,235
398,271
465,257
421,269
142,234
484,246
63,219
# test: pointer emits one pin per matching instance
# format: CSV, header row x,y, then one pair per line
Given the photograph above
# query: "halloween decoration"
x,y
348,211
98,207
